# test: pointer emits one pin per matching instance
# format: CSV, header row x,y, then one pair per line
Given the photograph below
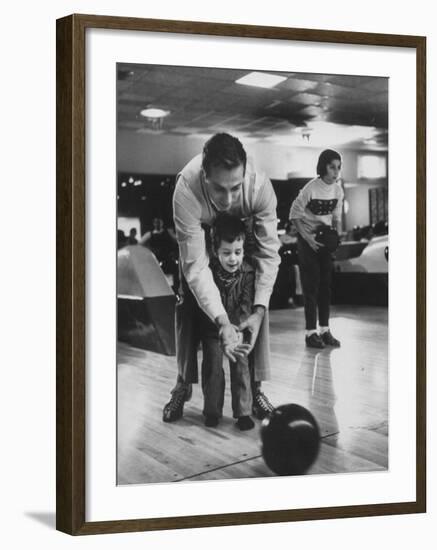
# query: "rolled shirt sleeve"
x,y
336,214
297,211
192,250
266,235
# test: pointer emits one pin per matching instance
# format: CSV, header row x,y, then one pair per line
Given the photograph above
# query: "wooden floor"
x,y
346,389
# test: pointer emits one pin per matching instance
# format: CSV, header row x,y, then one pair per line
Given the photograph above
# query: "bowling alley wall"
x,y
154,160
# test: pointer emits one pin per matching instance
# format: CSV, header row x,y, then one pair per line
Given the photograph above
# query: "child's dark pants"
x,y
213,381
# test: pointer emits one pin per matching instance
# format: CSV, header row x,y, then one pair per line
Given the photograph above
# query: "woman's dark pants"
x,y
316,277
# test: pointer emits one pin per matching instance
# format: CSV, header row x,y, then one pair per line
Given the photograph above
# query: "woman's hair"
x,y
223,151
326,157
227,228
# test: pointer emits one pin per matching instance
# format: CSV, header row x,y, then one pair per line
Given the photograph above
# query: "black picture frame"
x,y
71,252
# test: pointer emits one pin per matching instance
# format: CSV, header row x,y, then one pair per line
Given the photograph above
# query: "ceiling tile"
x,y
316,77
203,100
306,99
296,85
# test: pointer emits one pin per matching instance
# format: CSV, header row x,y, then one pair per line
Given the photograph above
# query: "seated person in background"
x,y
160,239
366,233
235,279
319,204
162,242
289,238
132,239
121,239
380,228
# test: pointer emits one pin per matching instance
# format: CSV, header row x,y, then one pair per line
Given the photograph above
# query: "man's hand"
x,y
252,325
229,340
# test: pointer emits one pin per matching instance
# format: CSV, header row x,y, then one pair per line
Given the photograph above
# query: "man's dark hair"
x,y
325,158
223,151
227,228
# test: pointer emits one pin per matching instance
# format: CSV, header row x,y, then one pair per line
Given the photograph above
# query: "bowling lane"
x,y
345,389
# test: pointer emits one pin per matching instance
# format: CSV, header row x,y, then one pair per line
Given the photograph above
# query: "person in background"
x,y
222,179
121,239
380,228
160,239
288,253
162,242
235,280
132,239
289,237
318,206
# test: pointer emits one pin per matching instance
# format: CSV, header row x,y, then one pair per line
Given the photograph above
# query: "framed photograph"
x,y
240,274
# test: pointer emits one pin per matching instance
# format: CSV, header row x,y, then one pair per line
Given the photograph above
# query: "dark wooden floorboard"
x,y
346,389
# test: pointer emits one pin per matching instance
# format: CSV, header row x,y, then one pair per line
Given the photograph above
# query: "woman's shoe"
x,y
329,340
314,341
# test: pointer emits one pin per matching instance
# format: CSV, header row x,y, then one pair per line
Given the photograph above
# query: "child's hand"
x,y
229,338
242,350
237,348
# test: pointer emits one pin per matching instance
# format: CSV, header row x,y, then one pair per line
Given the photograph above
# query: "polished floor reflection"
x,y
346,389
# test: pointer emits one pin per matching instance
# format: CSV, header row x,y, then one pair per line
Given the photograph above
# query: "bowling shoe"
x,y
261,405
174,409
314,341
329,340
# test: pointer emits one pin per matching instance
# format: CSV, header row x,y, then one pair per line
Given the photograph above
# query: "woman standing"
x,y
316,212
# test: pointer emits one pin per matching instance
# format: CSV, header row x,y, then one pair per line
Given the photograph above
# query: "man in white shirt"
x,y
221,179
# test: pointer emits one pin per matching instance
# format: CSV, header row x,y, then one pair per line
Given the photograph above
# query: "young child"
x,y
318,205
235,279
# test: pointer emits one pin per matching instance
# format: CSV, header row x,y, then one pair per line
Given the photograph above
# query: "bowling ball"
x,y
290,440
328,237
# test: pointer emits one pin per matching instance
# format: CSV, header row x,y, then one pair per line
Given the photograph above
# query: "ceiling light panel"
x,y
261,80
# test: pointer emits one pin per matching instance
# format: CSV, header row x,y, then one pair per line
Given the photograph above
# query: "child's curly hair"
x,y
227,227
